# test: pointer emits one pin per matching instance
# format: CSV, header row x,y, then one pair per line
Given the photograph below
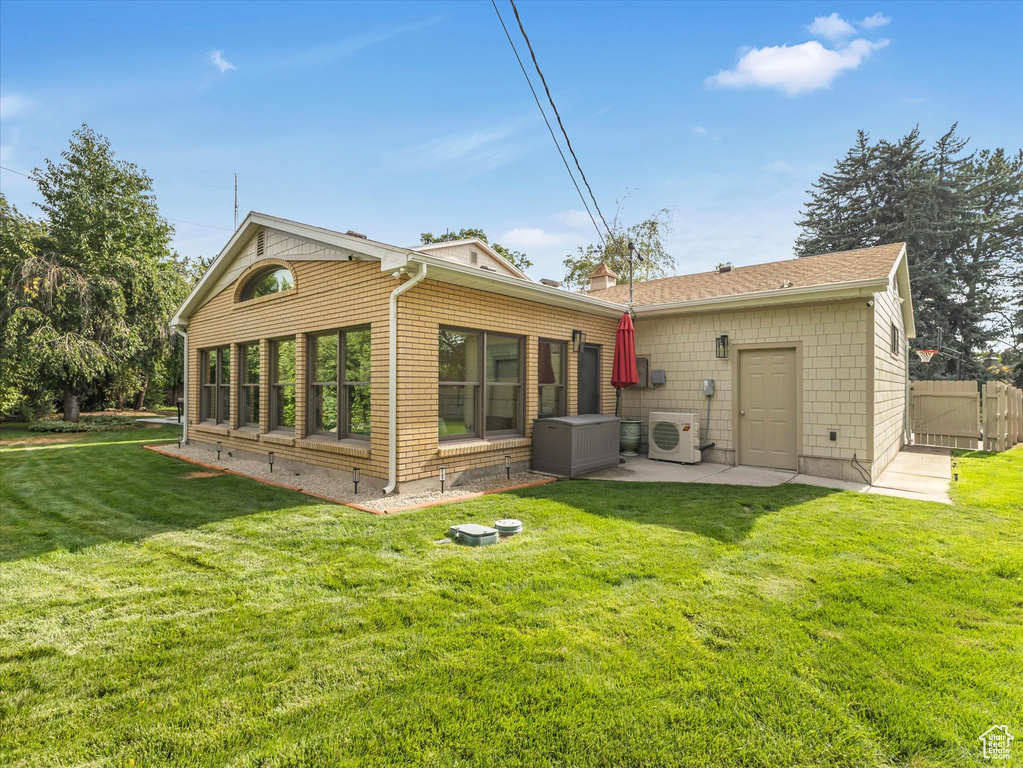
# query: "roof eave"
x,y
803,295
458,274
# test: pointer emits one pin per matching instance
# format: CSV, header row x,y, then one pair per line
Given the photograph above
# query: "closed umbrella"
x,y
624,372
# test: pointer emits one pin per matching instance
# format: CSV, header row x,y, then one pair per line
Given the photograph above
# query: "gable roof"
x,y
352,247
843,274
827,269
475,241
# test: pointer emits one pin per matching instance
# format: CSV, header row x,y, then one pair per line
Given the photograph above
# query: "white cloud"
x,y
14,105
533,237
463,153
874,22
832,27
699,130
794,69
217,59
573,218
781,167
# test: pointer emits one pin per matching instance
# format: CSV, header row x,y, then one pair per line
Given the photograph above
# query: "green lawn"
x,y
153,613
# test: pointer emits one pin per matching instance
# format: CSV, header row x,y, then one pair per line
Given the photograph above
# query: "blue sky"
x,y
395,118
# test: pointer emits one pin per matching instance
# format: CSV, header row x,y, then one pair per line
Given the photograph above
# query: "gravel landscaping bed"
x,y
343,490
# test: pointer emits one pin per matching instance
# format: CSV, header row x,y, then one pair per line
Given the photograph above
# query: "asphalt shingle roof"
x,y
826,269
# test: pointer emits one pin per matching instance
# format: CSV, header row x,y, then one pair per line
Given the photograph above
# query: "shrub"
x,y
86,424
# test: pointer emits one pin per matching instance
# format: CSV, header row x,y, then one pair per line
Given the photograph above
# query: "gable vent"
x,y
261,243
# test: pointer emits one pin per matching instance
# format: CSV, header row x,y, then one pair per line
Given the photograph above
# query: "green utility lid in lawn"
x,y
473,535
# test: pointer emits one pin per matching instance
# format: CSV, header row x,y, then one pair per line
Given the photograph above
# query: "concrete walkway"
x,y
918,473
160,420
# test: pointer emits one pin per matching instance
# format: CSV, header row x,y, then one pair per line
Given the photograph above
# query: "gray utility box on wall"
x,y
575,445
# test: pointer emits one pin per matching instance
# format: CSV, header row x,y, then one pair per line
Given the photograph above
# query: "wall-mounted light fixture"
x,y
356,476
578,340
443,477
270,458
721,347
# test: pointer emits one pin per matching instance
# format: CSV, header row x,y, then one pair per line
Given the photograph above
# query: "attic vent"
x,y
550,283
474,257
261,243
787,284
352,233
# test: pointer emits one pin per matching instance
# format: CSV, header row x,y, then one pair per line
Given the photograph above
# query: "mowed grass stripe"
x,y
172,620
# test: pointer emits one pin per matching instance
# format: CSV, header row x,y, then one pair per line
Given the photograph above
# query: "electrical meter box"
x,y
708,387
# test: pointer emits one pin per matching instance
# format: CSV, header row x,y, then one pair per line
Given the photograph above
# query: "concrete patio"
x,y
921,473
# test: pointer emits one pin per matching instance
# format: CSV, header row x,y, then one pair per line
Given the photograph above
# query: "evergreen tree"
x,y
954,212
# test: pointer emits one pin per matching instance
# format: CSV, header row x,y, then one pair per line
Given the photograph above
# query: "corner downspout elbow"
x,y
392,382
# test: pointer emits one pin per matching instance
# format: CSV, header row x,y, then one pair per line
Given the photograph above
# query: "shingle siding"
x,y
890,380
833,340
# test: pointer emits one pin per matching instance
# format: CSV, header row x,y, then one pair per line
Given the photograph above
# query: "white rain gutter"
x,y
392,383
182,331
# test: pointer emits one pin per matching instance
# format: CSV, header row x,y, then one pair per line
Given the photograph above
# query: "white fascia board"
x,y
389,256
900,276
803,295
473,241
494,282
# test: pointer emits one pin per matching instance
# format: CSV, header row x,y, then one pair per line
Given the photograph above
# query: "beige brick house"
x,y
334,351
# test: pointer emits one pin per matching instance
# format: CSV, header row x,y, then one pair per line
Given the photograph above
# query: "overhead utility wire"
x,y
557,114
179,221
536,98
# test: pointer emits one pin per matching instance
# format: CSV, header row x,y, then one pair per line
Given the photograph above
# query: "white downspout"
x,y
183,333
392,383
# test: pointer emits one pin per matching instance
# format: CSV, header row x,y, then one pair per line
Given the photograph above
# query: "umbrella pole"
x,y
618,402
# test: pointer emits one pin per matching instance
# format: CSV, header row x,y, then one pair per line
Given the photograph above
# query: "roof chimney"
x,y
725,267
602,278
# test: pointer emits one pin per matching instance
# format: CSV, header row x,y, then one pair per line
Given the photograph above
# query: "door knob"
x,y
742,413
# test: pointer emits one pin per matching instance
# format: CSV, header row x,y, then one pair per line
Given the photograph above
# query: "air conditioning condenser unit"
x,y
675,437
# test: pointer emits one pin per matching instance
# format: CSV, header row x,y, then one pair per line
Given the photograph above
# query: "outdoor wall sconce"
x,y
218,450
578,340
443,477
721,347
507,465
356,476
270,458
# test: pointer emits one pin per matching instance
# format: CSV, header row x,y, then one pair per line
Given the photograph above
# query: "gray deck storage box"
x,y
575,445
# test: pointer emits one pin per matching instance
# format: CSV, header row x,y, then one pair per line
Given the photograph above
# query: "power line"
x,y
179,221
17,172
557,114
536,98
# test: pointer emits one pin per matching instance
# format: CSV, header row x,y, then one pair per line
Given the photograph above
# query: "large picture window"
x,y
339,383
216,384
282,380
479,384
248,396
551,364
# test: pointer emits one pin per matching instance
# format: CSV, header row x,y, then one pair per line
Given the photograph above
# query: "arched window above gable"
x,y
266,282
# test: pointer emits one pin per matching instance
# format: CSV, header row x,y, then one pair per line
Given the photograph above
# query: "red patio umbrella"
x,y
624,372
